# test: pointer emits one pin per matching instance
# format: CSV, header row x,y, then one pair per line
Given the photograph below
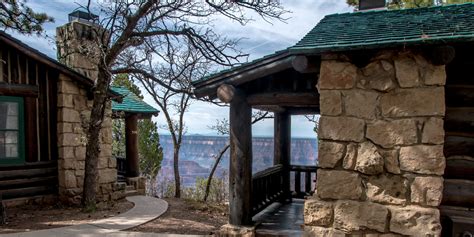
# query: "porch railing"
x,y
121,168
267,187
305,174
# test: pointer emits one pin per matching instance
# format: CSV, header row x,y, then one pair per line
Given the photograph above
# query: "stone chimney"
x,y
365,5
78,45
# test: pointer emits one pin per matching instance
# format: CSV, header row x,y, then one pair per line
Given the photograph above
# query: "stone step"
x,y
129,193
130,188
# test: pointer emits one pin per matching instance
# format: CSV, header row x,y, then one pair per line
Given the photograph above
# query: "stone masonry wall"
x,y
381,148
73,115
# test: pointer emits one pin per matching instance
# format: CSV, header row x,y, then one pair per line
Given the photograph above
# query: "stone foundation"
x,y
73,116
381,148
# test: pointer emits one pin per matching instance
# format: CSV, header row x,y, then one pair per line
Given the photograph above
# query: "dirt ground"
x,y
187,217
33,217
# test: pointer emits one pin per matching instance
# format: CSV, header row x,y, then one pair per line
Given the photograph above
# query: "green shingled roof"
x,y
380,29
131,103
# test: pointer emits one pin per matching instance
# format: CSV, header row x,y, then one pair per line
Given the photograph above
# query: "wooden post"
x,y
131,149
282,148
240,170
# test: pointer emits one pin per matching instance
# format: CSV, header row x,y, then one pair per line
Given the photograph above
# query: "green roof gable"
x,y
131,103
374,29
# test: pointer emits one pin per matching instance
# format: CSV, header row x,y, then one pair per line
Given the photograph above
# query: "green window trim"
x,y
20,159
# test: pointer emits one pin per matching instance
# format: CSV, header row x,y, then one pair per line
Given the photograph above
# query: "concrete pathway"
x,y
145,210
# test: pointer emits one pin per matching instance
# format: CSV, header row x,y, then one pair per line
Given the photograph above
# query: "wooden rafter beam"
x,y
284,99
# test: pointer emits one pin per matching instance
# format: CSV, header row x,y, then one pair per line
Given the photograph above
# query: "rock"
x,y
66,152
338,184
391,133
318,212
68,139
68,115
434,75
391,160
67,86
361,103
65,100
311,231
433,131
337,75
369,160
350,157
80,152
422,159
330,153
352,216
413,102
341,128
378,75
427,190
387,188
415,221
407,72
107,176
331,102
67,179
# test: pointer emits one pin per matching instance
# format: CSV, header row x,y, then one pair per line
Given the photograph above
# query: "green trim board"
x,y
376,29
20,130
131,103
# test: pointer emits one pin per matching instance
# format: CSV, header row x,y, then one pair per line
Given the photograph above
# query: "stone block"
x,y
229,230
330,102
433,131
369,161
68,139
113,163
387,188
80,102
422,159
66,152
413,102
361,103
352,216
311,231
107,176
338,184
337,75
415,221
67,164
67,86
427,190
80,152
378,75
390,133
65,128
341,128
68,115
65,100
67,179
350,157
317,212
330,153
434,75
391,160
407,71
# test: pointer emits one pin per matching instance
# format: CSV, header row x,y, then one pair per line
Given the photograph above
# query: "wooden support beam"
x,y
226,93
240,170
305,64
284,99
282,149
131,142
19,90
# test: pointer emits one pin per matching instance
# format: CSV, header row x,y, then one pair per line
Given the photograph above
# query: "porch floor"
x,y
281,219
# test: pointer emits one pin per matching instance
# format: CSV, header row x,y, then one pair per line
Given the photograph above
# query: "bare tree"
x,y
16,15
222,128
123,43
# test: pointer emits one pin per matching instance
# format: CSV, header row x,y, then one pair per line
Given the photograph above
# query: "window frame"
x,y
20,159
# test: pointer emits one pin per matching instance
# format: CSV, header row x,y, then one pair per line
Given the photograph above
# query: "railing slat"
x,y
307,182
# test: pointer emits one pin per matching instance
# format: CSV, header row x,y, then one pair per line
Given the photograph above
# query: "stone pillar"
x,y
131,149
240,170
282,148
381,147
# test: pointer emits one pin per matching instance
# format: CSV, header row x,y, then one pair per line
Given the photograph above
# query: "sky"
x,y
259,38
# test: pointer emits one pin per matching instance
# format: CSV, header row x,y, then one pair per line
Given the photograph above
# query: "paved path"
x,y
145,210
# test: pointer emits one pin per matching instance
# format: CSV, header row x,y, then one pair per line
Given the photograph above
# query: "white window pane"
x,y
8,115
11,150
11,137
12,108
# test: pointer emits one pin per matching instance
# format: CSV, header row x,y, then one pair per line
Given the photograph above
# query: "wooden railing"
x,y
267,188
121,168
308,172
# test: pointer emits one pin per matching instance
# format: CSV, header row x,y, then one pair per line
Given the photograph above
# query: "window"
x,y
11,130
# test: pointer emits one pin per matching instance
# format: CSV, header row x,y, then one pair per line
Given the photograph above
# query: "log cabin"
x,y
394,90
45,105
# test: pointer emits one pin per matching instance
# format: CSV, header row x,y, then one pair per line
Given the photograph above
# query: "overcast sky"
x,y
259,39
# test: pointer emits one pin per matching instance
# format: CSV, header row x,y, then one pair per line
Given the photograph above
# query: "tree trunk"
x,y
93,133
213,170
177,179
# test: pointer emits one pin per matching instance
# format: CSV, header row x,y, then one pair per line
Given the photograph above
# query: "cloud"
x,y
259,38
